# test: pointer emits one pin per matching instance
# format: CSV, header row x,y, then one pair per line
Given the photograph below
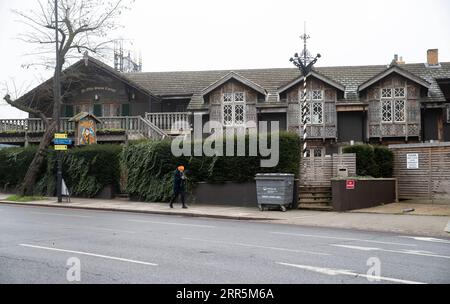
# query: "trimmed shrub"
x,y
86,170
372,161
14,163
150,166
384,158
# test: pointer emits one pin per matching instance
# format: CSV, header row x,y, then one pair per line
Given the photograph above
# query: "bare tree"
x,y
83,25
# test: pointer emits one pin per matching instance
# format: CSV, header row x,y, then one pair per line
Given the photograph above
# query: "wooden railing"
x,y
170,121
131,124
31,125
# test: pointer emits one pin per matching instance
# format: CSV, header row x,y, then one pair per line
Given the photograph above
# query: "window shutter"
x,y
68,111
125,110
98,110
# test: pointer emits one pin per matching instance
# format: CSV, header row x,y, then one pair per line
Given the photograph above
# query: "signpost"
x,y
60,136
61,141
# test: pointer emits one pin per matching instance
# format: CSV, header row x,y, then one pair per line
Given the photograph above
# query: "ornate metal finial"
x,y
305,61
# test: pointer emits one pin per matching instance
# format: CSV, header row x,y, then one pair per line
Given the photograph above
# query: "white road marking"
x,y
64,215
257,246
342,238
413,252
86,227
427,239
175,224
333,272
89,254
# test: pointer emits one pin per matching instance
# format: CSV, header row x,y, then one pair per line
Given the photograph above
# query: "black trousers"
x,y
175,197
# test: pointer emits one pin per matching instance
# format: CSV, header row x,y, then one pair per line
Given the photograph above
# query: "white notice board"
x,y
412,161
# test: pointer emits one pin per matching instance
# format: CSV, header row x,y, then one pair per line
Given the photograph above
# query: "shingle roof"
x,y
193,82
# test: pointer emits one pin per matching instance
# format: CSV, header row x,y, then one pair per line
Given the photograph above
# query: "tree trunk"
x,y
27,187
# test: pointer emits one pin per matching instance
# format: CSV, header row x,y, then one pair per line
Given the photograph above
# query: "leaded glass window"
x,y
239,97
317,95
228,115
386,110
399,92
399,110
314,107
239,114
228,97
386,93
393,105
307,113
234,109
317,113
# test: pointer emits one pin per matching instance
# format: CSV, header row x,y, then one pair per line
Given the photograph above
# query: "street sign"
x,y
60,135
64,141
412,161
60,148
350,184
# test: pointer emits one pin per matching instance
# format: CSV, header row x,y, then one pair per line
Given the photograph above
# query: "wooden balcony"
x,y
394,130
111,129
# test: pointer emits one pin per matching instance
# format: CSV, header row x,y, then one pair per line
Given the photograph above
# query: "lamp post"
x,y
57,99
305,63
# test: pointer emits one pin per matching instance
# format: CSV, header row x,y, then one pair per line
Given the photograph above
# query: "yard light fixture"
x,y
305,63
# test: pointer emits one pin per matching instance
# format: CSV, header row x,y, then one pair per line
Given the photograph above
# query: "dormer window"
x,y
393,105
234,109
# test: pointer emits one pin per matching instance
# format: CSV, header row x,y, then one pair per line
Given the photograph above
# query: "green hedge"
x,y
144,169
375,161
86,170
150,167
14,163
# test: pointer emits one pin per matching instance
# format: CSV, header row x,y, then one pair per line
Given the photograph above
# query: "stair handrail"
x,y
151,128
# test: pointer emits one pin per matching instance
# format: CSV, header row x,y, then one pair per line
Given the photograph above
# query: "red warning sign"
x,y
350,184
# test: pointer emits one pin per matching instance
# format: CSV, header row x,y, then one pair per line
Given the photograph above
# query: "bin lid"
x,y
274,174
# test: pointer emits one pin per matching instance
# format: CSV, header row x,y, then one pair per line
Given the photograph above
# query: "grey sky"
x,y
234,34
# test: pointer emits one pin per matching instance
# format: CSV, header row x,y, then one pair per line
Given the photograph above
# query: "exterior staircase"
x,y
315,198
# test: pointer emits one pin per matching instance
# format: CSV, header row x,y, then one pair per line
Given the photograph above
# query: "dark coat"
x,y
178,182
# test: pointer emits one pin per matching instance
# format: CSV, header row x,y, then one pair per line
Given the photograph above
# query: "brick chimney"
x,y
433,57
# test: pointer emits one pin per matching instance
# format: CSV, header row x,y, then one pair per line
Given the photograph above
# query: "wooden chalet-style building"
x,y
396,103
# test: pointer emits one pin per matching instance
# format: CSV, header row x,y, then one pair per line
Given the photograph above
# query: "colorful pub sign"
x,y
85,129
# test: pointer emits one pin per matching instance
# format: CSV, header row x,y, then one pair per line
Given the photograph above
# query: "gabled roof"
x,y
235,76
317,75
120,76
82,115
389,71
351,77
101,66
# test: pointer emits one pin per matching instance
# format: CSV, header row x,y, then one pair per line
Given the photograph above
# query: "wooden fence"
x,y
426,177
318,171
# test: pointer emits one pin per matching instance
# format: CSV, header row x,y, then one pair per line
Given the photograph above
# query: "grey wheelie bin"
x,y
275,190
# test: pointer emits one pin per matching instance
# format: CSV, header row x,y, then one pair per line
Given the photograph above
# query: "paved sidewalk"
x,y
403,224
410,208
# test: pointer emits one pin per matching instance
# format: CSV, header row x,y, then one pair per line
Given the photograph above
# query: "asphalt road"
x,y
38,244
